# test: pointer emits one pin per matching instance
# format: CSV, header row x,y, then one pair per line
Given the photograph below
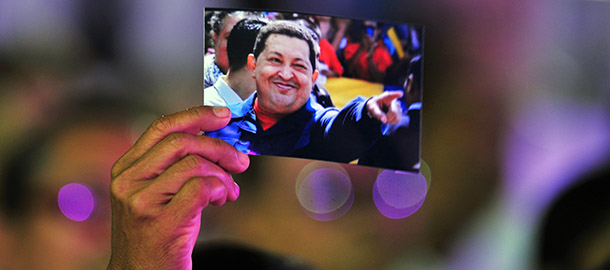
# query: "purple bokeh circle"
x,y
76,201
324,191
399,194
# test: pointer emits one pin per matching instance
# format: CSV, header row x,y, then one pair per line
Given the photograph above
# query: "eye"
x,y
300,66
275,60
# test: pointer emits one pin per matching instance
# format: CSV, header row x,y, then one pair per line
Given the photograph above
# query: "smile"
x,y
286,85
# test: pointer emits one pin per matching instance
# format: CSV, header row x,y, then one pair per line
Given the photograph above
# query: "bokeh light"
x,y
324,191
399,194
76,201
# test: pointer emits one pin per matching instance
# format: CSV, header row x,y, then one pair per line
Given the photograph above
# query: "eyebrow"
x,y
279,54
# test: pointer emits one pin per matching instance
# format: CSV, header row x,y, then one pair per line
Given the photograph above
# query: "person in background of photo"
x,y
575,230
399,148
365,55
232,89
324,57
217,64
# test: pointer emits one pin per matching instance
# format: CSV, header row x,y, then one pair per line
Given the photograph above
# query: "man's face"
x,y
220,41
283,73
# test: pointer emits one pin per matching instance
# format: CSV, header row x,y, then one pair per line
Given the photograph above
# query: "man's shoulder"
x,y
211,72
209,59
211,97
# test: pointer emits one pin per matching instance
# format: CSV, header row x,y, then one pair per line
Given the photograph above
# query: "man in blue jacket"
x,y
283,119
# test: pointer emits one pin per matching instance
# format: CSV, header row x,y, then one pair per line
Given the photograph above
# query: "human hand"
x,y
385,107
161,185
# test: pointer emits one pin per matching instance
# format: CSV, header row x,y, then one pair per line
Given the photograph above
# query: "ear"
x,y
315,76
251,64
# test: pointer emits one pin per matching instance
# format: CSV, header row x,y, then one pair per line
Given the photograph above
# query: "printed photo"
x,y
315,86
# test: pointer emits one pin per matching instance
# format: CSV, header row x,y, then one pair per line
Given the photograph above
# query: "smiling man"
x,y
282,117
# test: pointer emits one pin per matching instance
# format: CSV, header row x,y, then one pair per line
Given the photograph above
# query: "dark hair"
x,y
306,20
287,28
241,41
217,19
576,217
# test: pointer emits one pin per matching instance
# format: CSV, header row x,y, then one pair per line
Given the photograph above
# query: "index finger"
x,y
193,120
388,96
394,112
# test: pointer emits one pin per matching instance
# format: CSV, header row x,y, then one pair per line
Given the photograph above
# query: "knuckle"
x,y
219,145
178,140
162,124
136,204
118,190
199,112
114,171
208,184
197,187
196,183
193,161
117,169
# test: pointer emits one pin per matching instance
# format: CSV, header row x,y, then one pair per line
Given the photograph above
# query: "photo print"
x,y
316,87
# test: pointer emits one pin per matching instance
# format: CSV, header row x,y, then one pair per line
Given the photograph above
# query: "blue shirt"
x,y
310,132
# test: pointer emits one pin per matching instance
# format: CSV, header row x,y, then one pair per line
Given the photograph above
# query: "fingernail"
x,y
236,188
221,112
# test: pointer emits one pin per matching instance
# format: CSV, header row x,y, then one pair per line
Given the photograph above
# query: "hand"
x,y
160,186
385,107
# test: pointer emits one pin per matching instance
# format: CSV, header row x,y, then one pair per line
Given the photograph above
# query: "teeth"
x,y
283,86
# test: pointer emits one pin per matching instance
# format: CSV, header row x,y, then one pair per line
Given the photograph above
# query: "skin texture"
x,y
161,185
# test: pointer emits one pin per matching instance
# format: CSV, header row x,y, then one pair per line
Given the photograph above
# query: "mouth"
x,y
284,85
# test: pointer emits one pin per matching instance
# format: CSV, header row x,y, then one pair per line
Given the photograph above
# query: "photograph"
x,y
315,86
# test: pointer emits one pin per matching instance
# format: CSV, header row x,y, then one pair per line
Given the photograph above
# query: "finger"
x,y
191,121
394,112
375,111
196,194
176,146
387,97
172,180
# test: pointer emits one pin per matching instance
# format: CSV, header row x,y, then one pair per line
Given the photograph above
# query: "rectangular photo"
x,y
315,86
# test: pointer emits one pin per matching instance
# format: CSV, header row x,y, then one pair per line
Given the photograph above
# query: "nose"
x,y
286,73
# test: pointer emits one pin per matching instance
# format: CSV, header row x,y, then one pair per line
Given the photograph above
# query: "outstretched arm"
x,y
343,135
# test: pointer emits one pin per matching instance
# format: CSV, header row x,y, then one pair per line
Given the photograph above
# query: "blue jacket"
x,y
311,132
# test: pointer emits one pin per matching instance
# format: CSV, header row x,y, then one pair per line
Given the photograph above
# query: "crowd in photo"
x,y
360,49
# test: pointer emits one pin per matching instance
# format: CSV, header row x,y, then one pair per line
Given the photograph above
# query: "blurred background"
x,y
515,131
